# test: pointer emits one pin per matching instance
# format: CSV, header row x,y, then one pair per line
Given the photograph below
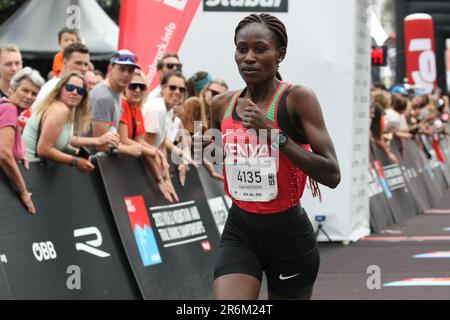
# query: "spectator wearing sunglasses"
x,y
132,131
49,132
161,123
25,85
106,100
170,62
75,58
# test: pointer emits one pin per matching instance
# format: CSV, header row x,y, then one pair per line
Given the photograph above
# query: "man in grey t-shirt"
x,y
106,106
105,98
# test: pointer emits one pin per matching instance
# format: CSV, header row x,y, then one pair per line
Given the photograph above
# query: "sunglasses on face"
x,y
70,87
127,57
214,92
171,66
173,88
135,86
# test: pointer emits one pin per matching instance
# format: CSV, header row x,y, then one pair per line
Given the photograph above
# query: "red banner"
x,y
420,51
151,28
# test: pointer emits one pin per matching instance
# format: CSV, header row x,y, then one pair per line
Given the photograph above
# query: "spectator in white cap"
x,y
106,103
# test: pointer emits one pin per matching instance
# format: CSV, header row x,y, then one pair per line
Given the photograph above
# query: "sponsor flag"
x,y
151,28
420,50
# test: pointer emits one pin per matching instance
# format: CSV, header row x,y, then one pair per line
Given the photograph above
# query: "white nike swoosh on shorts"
x,y
289,277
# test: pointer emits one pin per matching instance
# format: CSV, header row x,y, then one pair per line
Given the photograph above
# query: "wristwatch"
x,y
74,162
282,139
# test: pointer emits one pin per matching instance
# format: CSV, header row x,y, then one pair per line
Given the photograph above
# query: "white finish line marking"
x,y
437,211
404,239
420,282
433,255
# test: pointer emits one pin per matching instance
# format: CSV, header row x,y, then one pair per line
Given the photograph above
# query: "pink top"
x,y
8,118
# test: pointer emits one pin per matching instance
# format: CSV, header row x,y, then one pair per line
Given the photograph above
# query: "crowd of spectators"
x,y
81,113
405,112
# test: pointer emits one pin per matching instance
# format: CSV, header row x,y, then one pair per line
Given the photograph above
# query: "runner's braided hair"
x,y
273,23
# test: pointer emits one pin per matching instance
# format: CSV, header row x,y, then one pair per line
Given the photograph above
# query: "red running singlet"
x,y
238,141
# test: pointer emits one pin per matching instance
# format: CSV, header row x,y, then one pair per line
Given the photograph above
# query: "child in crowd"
x,y
65,37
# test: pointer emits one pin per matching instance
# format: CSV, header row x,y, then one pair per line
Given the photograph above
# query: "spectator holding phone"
x,y
49,134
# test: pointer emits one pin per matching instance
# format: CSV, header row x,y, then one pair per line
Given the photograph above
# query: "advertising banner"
x,y
420,50
415,182
171,247
70,249
151,28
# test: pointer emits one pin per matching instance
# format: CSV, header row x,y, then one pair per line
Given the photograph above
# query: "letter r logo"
x,y
89,245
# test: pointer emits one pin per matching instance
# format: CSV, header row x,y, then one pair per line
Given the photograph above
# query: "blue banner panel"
x,y
70,249
171,247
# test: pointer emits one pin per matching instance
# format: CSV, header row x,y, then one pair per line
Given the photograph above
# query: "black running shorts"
x,y
282,245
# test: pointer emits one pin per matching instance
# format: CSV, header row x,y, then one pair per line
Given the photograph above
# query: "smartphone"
x,y
84,153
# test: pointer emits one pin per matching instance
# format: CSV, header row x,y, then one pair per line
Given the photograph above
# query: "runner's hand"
x,y
255,118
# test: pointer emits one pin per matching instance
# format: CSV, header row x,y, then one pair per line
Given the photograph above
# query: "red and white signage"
x,y
151,28
420,51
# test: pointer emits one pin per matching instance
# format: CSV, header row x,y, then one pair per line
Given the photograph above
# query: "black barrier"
x,y
416,182
400,200
218,202
70,249
171,248
425,171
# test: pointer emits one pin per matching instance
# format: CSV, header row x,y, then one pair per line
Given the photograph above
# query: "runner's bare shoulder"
x,y
302,98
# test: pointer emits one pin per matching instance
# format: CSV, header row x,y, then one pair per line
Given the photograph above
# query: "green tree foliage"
x,y
8,7
112,8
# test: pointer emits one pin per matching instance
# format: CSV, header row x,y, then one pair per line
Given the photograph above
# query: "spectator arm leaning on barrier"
x,y
107,139
155,160
9,166
403,135
147,149
52,126
100,128
386,150
185,154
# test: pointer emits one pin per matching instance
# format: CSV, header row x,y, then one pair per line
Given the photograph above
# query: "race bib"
x,y
252,180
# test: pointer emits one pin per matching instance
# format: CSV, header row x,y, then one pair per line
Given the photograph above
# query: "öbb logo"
x,y
44,251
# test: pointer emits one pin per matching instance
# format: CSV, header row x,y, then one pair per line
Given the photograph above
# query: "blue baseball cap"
x,y
125,57
400,90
